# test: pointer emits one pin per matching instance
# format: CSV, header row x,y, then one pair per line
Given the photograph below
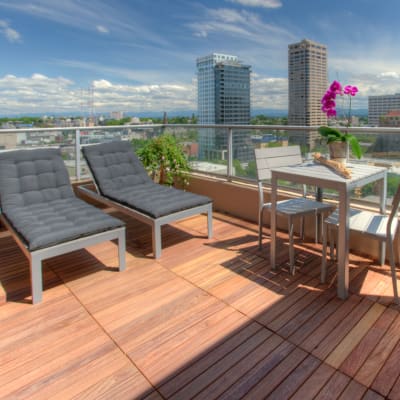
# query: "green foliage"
x,y
115,122
174,120
335,135
265,120
245,172
393,182
164,158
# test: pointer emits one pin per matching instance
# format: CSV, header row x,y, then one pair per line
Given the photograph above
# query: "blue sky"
x,y
140,55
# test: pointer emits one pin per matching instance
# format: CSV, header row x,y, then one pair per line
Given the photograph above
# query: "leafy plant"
x,y
329,108
164,158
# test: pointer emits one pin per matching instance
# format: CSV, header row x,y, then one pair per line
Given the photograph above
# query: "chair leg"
x,y
36,278
324,246
316,227
332,243
156,240
291,246
260,227
209,222
393,270
121,250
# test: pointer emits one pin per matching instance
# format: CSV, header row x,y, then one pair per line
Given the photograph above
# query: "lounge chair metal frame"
x,y
155,223
37,256
34,183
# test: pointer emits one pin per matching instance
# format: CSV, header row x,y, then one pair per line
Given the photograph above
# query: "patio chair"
x,y
382,228
274,157
123,183
43,214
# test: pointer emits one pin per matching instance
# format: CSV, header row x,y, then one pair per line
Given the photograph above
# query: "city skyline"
x,y
140,56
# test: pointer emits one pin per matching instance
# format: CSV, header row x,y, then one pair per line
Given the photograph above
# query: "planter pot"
x,y
338,151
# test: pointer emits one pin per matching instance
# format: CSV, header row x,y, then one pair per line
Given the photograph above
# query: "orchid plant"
x,y
328,102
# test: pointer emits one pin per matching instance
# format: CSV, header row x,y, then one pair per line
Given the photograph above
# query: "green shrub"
x,y
164,158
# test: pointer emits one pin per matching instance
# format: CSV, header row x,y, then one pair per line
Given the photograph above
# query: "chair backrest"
x,y
32,176
114,166
273,157
394,211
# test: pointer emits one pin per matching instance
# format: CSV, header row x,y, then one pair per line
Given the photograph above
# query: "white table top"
x,y
320,175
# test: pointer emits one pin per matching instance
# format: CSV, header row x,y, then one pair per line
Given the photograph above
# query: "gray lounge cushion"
x,y
120,176
37,199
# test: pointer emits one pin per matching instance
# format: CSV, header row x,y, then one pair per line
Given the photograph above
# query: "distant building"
x,y
391,119
223,98
116,114
308,81
381,105
191,149
268,140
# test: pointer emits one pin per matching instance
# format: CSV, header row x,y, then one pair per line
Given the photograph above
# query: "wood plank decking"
x,y
208,320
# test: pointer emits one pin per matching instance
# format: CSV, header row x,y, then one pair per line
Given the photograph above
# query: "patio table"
x,y
321,176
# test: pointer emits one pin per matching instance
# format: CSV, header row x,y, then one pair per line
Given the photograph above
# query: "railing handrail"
x,y
364,129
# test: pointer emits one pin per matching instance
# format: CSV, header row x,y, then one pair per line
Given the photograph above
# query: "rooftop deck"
x,y
208,320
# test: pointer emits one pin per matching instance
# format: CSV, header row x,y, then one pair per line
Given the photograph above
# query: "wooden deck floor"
x,y
208,320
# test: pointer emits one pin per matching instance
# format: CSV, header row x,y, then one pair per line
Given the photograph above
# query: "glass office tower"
x,y
223,98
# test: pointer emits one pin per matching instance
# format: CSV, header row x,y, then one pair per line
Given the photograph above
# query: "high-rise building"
x,y
223,98
380,105
308,81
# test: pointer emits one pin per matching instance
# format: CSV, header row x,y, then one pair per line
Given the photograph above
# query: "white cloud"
x,y
268,92
389,74
243,26
41,94
259,3
102,29
101,84
10,34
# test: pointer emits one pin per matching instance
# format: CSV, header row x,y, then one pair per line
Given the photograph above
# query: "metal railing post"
x,y
230,154
78,154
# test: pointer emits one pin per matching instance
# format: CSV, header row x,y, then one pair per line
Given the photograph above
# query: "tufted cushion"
x,y
120,176
115,166
48,223
37,199
32,176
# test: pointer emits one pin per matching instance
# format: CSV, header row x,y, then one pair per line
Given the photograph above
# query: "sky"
x,y
138,56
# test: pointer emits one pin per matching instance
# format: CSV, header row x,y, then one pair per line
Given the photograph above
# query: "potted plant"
x,y
338,141
164,158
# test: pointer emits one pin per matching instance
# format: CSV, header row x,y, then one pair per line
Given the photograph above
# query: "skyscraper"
x,y
308,81
223,98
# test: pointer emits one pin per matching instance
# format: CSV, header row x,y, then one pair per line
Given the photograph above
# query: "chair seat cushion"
x,y
49,223
157,200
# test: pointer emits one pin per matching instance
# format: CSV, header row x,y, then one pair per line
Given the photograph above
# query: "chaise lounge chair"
x,y
43,214
123,183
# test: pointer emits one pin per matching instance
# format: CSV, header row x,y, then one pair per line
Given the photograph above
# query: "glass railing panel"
x,y
207,150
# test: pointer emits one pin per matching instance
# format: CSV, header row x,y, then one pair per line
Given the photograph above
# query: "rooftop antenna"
x,y
91,102
82,103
